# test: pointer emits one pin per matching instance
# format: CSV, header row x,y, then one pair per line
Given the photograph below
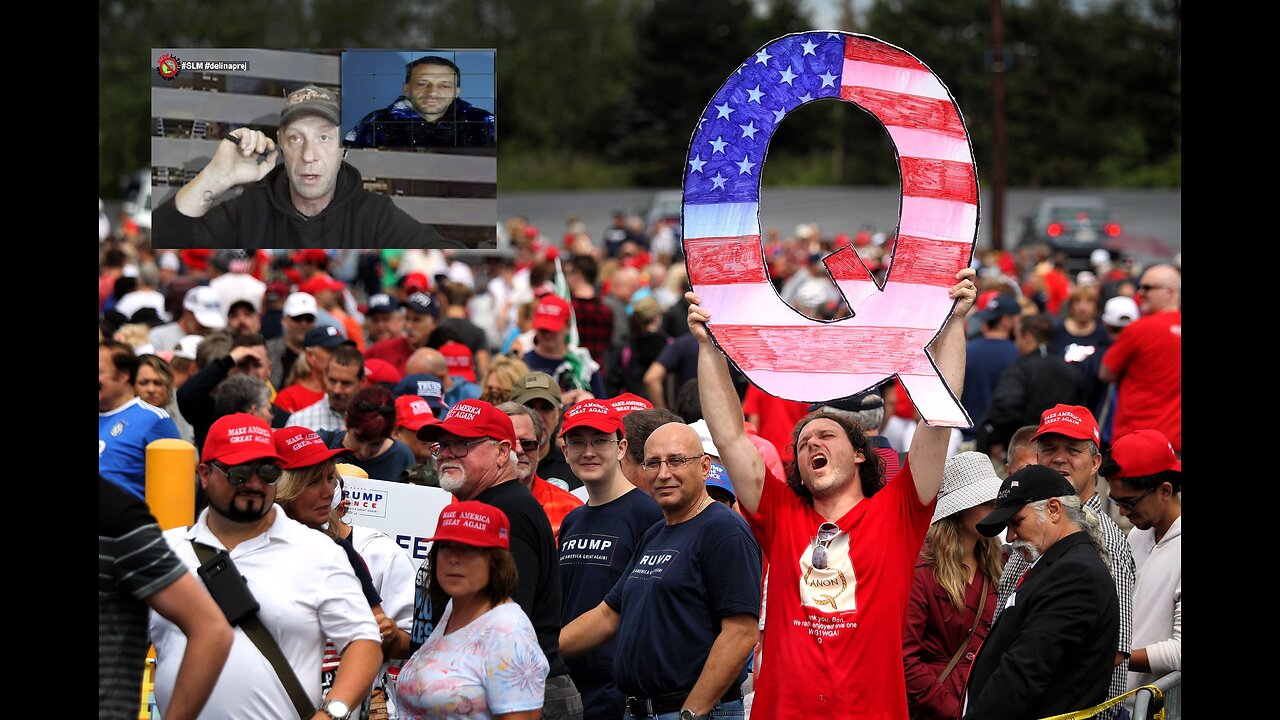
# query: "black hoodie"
x,y
264,217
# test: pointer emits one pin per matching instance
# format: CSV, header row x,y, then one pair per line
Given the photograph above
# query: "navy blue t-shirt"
x,y
596,546
386,466
680,358
683,580
985,360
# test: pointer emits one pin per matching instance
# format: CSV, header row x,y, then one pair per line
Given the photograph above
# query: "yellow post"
x,y
349,470
171,483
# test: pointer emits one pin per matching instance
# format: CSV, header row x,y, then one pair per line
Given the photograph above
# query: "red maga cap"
x,y
472,419
627,403
301,447
1144,452
239,438
1074,421
594,414
473,523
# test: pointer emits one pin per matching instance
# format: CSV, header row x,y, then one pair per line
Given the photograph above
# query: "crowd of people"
x,y
639,532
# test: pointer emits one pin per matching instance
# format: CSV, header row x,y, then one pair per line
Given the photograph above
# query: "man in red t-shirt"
x,y
773,417
1146,360
841,549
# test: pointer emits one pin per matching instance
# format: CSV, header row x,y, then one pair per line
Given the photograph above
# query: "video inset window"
x,y
426,100
250,149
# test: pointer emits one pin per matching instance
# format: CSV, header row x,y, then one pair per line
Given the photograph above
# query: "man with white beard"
x,y
1052,649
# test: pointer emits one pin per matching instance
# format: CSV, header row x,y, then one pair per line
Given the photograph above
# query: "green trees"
x,y
607,92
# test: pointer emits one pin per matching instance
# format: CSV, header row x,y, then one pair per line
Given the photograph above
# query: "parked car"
x,y
1075,225
665,205
135,214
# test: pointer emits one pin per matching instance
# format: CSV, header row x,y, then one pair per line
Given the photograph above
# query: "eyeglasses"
x,y
529,445
1130,503
601,443
675,462
238,475
457,448
1149,288
307,319
366,406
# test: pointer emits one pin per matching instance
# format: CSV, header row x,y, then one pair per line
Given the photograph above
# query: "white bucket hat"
x,y
968,479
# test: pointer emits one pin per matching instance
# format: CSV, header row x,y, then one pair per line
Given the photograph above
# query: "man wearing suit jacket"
x,y
1053,648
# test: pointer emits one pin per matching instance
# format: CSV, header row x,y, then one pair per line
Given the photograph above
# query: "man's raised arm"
x,y
722,410
234,163
929,445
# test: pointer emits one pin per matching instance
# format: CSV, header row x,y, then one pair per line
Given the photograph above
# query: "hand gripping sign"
x,y
783,352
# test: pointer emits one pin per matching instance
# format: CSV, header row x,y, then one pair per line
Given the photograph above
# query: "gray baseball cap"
x,y
311,100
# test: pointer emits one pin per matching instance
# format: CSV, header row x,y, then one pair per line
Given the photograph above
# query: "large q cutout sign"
x,y
783,352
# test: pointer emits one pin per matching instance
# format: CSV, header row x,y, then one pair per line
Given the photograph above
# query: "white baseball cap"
x,y
187,347
300,303
1120,311
206,304
704,435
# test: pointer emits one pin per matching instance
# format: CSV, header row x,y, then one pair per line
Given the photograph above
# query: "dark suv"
x,y
1073,225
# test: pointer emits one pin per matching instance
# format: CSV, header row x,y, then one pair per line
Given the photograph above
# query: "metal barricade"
x,y
1145,703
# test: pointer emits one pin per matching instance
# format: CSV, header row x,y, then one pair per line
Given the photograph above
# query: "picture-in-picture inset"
x,y
248,152
430,100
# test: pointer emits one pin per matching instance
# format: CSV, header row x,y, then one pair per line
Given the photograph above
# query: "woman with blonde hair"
x,y
504,371
154,383
953,597
1079,334
310,491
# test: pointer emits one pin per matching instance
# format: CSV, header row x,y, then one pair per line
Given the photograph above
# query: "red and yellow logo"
x,y
168,66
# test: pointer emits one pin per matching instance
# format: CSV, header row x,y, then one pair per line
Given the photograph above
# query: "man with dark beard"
x,y
302,582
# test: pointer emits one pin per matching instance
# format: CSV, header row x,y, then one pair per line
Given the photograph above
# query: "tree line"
x,y
595,93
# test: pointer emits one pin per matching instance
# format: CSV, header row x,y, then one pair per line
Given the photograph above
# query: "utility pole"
x,y
998,125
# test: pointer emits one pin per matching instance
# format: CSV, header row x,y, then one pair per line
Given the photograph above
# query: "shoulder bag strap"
x,y
270,649
982,604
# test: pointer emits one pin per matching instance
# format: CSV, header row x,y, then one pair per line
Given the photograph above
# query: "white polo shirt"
x,y
307,592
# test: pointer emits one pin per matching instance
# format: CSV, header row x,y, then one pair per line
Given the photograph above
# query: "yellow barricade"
x,y
1090,712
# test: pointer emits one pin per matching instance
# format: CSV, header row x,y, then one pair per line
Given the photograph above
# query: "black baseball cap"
x,y
326,336
1031,483
1000,306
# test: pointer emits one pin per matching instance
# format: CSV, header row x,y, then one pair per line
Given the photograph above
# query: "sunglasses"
x,y
238,475
827,532
1130,503
529,445
1149,288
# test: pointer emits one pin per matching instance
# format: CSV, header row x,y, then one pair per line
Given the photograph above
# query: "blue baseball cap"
x,y
719,478
427,387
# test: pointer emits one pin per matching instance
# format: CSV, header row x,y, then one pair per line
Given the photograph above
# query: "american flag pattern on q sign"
x,y
783,352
